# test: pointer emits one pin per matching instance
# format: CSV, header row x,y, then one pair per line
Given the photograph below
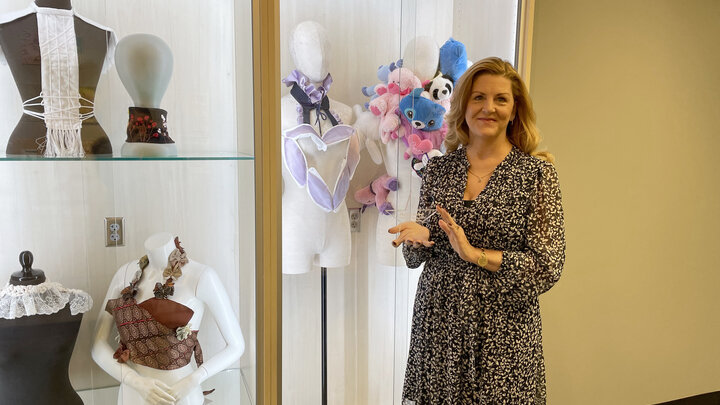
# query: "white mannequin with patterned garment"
x,y
198,288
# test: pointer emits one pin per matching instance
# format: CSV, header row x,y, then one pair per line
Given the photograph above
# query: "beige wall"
x,y
628,98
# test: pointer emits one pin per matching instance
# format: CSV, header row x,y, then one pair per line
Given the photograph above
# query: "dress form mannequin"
x,y
19,43
422,56
311,235
145,63
35,350
421,53
198,288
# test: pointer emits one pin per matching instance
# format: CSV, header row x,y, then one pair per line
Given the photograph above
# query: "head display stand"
x,y
28,275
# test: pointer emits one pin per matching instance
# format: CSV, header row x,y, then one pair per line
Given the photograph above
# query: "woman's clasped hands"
x,y
416,235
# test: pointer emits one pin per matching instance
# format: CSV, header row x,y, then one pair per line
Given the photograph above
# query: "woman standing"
x,y
499,243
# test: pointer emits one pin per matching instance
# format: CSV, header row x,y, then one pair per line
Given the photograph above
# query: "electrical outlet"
x,y
354,219
114,231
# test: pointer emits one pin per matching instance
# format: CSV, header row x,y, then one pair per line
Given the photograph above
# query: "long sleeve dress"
x,y
476,335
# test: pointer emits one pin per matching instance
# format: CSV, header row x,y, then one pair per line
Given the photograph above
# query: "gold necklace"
x,y
480,178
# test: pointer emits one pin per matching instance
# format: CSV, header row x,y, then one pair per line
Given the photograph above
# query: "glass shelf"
x,y
207,156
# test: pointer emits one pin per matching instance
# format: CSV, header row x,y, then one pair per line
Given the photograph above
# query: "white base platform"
x,y
141,149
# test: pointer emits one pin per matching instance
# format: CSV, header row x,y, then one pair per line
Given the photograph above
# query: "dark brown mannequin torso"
x,y
19,41
34,359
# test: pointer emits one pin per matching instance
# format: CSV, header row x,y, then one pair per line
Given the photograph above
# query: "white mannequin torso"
x,y
404,201
311,235
198,287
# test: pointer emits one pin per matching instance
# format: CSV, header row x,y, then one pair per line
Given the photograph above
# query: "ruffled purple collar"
x,y
315,94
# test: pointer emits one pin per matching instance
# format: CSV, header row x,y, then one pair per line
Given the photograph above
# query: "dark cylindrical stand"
x,y
323,327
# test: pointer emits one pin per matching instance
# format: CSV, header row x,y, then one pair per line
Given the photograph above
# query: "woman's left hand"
x,y
455,234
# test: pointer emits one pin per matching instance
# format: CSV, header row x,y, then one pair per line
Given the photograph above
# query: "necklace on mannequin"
x,y
173,271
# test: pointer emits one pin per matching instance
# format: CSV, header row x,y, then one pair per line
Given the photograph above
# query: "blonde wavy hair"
x,y
522,133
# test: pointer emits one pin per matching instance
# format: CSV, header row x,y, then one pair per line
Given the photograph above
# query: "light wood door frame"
x,y
526,16
268,206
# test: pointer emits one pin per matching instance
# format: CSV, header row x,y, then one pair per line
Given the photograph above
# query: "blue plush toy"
x,y
453,59
421,124
421,113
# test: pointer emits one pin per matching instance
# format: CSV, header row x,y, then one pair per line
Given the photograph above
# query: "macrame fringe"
x,y
64,142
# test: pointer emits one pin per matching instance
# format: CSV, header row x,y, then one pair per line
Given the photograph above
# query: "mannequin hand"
x,y
455,234
183,387
411,234
155,392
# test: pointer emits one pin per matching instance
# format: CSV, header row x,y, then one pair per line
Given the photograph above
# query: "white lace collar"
x,y
17,301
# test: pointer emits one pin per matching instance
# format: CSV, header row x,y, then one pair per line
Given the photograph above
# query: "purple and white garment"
x,y
311,97
305,175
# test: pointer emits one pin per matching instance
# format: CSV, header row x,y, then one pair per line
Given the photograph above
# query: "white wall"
x,y
486,27
56,209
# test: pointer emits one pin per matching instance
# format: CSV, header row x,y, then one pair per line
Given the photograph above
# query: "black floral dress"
x,y
476,335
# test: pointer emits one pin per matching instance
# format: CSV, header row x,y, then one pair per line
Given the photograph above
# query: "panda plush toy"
x,y
453,63
439,90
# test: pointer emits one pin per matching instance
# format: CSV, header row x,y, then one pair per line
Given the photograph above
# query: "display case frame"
x,y
354,389
268,180
265,330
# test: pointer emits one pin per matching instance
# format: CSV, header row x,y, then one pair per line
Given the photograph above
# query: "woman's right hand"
x,y
411,234
154,391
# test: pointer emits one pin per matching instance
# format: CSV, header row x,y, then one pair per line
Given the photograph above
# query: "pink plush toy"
x,y
401,82
376,194
417,146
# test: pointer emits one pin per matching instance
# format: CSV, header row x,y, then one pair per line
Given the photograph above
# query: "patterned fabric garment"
x,y
146,341
476,335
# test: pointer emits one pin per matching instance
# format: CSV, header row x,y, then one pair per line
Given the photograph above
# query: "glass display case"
x,y
85,218
347,294
344,309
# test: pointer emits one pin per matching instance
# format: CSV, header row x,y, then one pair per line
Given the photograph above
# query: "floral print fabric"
x,y
476,335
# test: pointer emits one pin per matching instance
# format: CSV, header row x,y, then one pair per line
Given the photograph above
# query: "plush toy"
x,y
422,113
419,164
453,59
401,82
439,90
376,194
382,74
417,147
423,118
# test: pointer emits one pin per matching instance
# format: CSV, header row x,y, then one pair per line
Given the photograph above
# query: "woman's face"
x,y
490,107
